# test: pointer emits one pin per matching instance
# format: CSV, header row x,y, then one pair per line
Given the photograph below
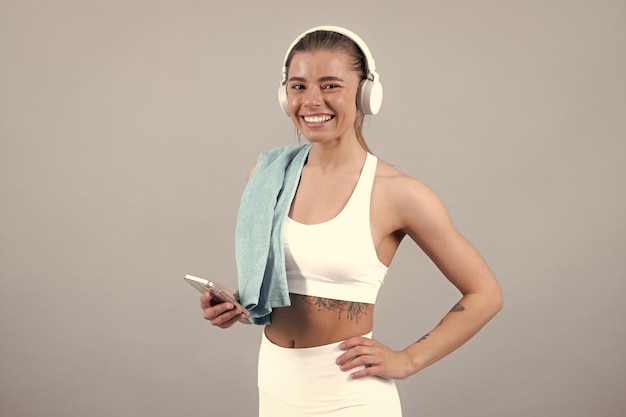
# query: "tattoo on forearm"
x,y
353,311
458,307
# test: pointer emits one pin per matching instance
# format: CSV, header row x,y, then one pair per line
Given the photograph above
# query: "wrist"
x,y
416,360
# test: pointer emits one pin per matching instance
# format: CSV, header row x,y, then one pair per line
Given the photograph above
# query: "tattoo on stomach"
x,y
351,310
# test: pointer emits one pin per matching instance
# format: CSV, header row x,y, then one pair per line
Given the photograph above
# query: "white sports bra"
x,y
337,259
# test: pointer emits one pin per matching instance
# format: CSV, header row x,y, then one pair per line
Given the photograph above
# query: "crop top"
x,y
337,259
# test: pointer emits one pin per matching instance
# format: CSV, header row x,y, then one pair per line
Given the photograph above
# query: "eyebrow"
x,y
326,78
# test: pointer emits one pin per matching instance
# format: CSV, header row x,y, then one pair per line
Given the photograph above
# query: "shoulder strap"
x,y
360,200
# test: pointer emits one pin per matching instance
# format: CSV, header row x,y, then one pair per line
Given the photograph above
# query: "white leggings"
x,y
307,382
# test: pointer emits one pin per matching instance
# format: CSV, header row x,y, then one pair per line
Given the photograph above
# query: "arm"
x,y
427,222
422,216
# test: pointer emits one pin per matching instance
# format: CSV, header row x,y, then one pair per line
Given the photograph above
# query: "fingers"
x,y
367,357
222,315
207,300
357,357
354,347
356,341
360,351
223,322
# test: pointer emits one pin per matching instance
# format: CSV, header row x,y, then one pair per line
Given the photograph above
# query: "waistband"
x,y
307,352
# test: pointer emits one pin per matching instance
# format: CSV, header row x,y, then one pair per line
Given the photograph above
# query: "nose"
x,y
313,97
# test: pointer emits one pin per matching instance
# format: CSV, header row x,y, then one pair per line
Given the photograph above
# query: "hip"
x,y
308,382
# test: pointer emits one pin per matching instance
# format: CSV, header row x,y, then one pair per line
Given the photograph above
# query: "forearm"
x,y
462,322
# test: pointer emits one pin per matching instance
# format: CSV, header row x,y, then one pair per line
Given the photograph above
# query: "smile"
x,y
317,118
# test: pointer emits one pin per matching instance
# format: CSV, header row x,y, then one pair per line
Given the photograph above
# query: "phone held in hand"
x,y
218,291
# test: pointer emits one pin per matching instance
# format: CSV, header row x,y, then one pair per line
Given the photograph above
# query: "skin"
x,y
322,84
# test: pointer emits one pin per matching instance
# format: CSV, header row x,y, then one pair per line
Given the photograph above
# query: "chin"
x,y
316,138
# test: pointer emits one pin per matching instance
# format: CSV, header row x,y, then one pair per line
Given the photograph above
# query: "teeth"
x,y
317,119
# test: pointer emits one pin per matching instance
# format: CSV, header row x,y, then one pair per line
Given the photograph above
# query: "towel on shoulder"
x,y
259,248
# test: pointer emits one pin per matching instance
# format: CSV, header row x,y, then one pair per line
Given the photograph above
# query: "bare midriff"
x,y
315,321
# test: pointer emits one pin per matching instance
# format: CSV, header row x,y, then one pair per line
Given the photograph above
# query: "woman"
x,y
344,224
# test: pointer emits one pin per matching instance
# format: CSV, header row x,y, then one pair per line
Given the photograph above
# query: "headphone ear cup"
x,y
282,99
370,96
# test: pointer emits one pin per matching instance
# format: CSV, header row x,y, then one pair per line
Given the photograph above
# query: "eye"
x,y
297,87
330,86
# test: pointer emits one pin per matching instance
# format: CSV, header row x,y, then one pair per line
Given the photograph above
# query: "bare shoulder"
x,y
407,199
251,170
399,187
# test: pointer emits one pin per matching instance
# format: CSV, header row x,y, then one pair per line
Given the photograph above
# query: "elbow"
x,y
496,301
491,301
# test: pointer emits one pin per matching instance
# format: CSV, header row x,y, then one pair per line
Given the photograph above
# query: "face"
x,y
321,94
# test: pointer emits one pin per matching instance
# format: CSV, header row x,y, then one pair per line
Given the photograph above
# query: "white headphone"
x,y
370,95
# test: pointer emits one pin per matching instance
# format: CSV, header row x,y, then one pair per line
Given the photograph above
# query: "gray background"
x,y
127,129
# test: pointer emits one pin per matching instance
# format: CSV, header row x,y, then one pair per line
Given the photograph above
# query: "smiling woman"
x,y
360,61
323,106
345,215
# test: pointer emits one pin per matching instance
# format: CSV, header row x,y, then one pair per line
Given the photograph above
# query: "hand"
x,y
377,358
222,315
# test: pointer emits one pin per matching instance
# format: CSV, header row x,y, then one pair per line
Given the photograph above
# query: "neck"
x,y
329,157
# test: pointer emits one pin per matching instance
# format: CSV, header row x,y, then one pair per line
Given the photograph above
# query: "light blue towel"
x,y
259,248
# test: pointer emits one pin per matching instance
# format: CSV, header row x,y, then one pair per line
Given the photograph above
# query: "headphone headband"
x,y
371,64
371,91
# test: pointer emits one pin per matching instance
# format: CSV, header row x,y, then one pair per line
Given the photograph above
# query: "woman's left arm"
x,y
425,220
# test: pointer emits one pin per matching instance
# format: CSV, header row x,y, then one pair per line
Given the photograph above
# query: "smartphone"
x,y
219,291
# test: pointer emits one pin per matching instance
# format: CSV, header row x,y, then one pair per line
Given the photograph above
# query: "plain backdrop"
x,y
126,132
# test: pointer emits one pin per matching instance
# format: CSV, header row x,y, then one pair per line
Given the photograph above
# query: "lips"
x,y
317,119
